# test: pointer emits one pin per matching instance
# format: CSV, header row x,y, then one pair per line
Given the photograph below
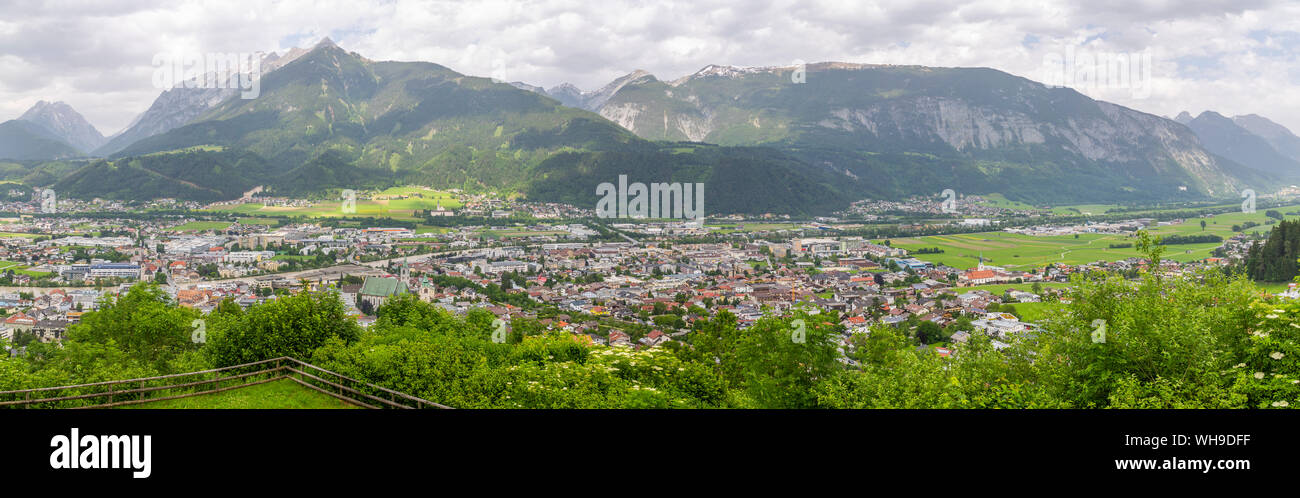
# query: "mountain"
x,y
180,105
26,141
571,96
1223,136
761,143
1277,135
66,124
891,131
332,119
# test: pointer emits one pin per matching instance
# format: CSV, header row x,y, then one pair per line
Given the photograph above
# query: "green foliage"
x,y
287,326
142,323
1275,260
780,371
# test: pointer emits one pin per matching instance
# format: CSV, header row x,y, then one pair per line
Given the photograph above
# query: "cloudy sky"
x,y
1234,57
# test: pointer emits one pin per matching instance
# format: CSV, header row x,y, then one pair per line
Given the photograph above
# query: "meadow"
x,y
1022,252
384,204
200,226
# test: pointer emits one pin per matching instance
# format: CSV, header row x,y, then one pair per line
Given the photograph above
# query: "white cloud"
x,y
1235,57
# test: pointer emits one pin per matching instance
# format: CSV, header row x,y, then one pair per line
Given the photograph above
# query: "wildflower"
x,y
1277,355
1239,365
1281,404
1259,375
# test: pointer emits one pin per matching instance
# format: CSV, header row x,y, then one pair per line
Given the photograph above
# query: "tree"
x,y
1202,225
142,323
1150,247
291,326
779,371
929,332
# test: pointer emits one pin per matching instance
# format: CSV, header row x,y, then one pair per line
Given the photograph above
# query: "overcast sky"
x,y
1234,57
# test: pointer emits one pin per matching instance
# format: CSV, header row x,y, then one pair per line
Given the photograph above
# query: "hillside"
x,y
332,119
64,122
1227,138
902,130
24,140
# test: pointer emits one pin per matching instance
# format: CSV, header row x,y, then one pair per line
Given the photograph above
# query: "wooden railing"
x,y
146,389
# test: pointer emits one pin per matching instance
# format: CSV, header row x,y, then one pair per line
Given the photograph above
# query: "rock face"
x,y
969,117
66,124
572,96
172,109
180,105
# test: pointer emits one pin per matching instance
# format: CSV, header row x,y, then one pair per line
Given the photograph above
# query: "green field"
x,y
280,394
200,226
1022,252
258,221
1035,312
1001,201
417,199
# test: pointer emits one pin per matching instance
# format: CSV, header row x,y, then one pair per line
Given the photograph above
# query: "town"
x,y
635,283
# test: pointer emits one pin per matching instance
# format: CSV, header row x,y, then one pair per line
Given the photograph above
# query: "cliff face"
x,y
970,116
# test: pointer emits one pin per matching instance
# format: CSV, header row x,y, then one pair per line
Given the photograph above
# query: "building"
x,y
376,290
246,257
119,270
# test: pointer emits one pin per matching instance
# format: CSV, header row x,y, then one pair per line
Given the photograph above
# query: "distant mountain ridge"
x,y
178,106
1250,140
892,130
24,140
65,123
332,119
761,140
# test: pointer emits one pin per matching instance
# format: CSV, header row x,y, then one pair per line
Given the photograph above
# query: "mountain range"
x,y
759,139
1250,140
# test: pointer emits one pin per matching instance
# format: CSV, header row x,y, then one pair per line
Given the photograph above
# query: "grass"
x,y
1034,312
258,221
279,394
200,226
1023,252
1001,201
417,199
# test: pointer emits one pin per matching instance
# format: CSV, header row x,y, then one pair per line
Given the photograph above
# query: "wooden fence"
x,y
183,385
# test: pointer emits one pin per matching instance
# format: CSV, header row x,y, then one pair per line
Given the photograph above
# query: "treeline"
x,y
1169,240
1275,259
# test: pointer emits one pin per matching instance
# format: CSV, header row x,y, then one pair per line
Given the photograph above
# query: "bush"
x,y
291,326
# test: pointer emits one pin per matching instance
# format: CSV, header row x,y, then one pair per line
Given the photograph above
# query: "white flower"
x,y
1270,316
1281,404
1277,355
1259,375
1239,365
